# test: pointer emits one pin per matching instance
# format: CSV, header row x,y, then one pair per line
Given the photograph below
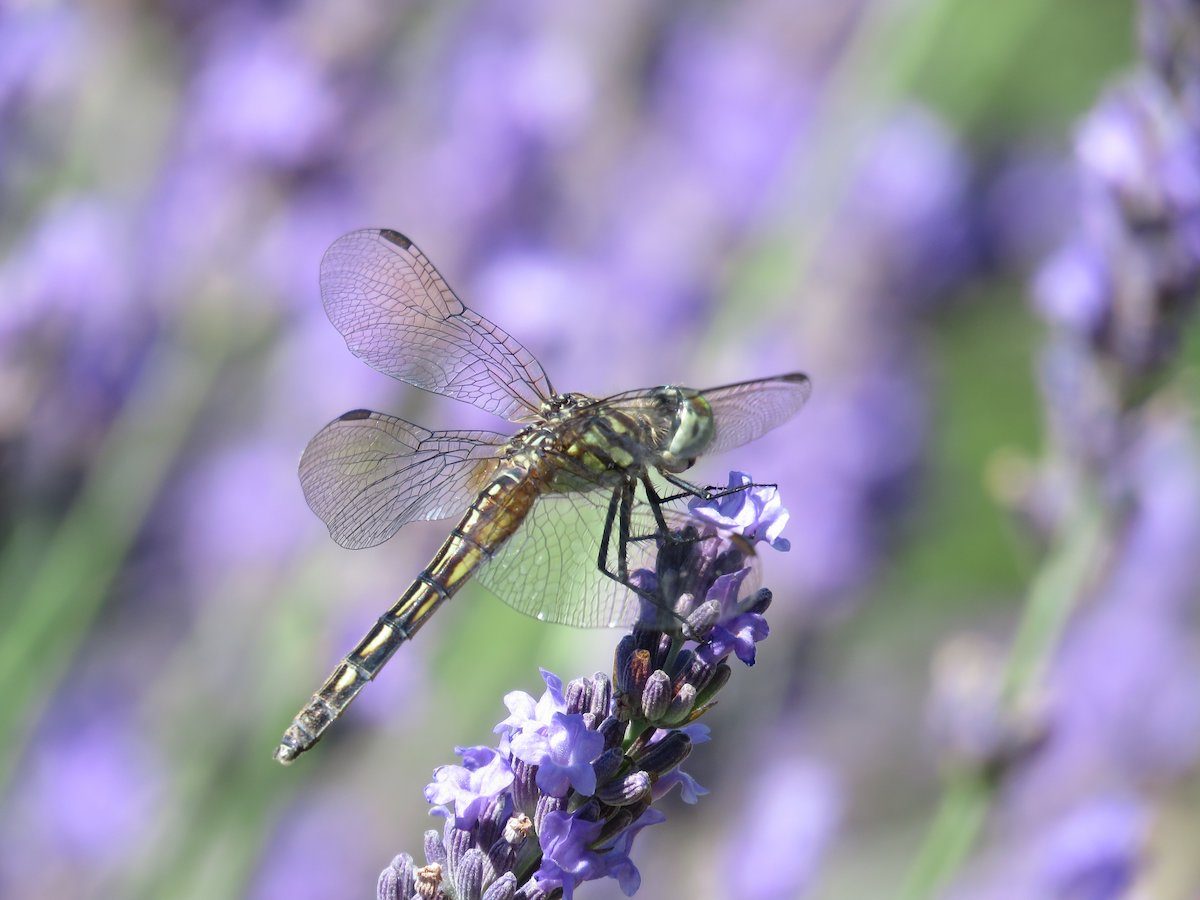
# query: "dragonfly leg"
x,y
711,492
606,535
656,503
620,510
624,525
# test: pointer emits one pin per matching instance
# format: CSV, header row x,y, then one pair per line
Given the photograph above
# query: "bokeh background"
x,y
641,193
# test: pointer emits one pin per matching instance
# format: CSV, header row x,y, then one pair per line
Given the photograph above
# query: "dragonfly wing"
x,y
746,411
400,316
550,568
366,474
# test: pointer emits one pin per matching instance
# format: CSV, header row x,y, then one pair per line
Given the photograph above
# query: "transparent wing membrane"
x,y
400,316
746,411
550,568
366,474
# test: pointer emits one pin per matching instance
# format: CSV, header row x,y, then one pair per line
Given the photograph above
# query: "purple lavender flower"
x,y
563,753
736,631
1117,295
578,770
1122,712
1131,274
755,513
616,862
527,714
1096,851
471,787
690,790
566,855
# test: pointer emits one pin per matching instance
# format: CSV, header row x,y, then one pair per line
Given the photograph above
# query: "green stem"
x,y
967,797
65,593
952,833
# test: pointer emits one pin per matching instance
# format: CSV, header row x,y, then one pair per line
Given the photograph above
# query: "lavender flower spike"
x,y
578,771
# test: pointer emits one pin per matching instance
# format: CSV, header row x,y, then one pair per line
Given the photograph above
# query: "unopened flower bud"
x,y
656,696
624,791
665,755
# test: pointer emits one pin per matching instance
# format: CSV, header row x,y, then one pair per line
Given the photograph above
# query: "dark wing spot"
x,y
355,414
395,237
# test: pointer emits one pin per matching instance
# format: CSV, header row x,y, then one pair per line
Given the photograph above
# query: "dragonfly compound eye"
x,y
691,433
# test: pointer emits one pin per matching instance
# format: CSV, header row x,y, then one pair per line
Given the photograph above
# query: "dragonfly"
x,y
549,518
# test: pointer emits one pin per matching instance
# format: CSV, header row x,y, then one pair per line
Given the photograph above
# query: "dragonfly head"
x,y
691,427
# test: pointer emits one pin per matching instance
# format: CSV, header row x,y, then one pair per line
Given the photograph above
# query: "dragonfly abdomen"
x,y
495,514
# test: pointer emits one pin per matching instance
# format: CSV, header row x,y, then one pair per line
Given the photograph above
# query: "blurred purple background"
x,y
691,194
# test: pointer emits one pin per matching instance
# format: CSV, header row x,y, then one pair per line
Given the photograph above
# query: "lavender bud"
x,y
429,880
639,672
685,604
661,651
681,706
590,811
664,756
397,881
435,851
591,721
621,819
601,694
645,638
702,620
624,791
530,891
457,842
503,855
524,788
468,875
720,675
613,730
492,821
503,888
608,763
621,664
691,668
577,696
545,806
656,696
490,872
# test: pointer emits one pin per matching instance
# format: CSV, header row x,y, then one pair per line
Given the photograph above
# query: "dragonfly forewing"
x,y
398,314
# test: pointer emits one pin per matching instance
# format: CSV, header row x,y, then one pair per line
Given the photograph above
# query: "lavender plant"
x,y
577,772
1066,730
